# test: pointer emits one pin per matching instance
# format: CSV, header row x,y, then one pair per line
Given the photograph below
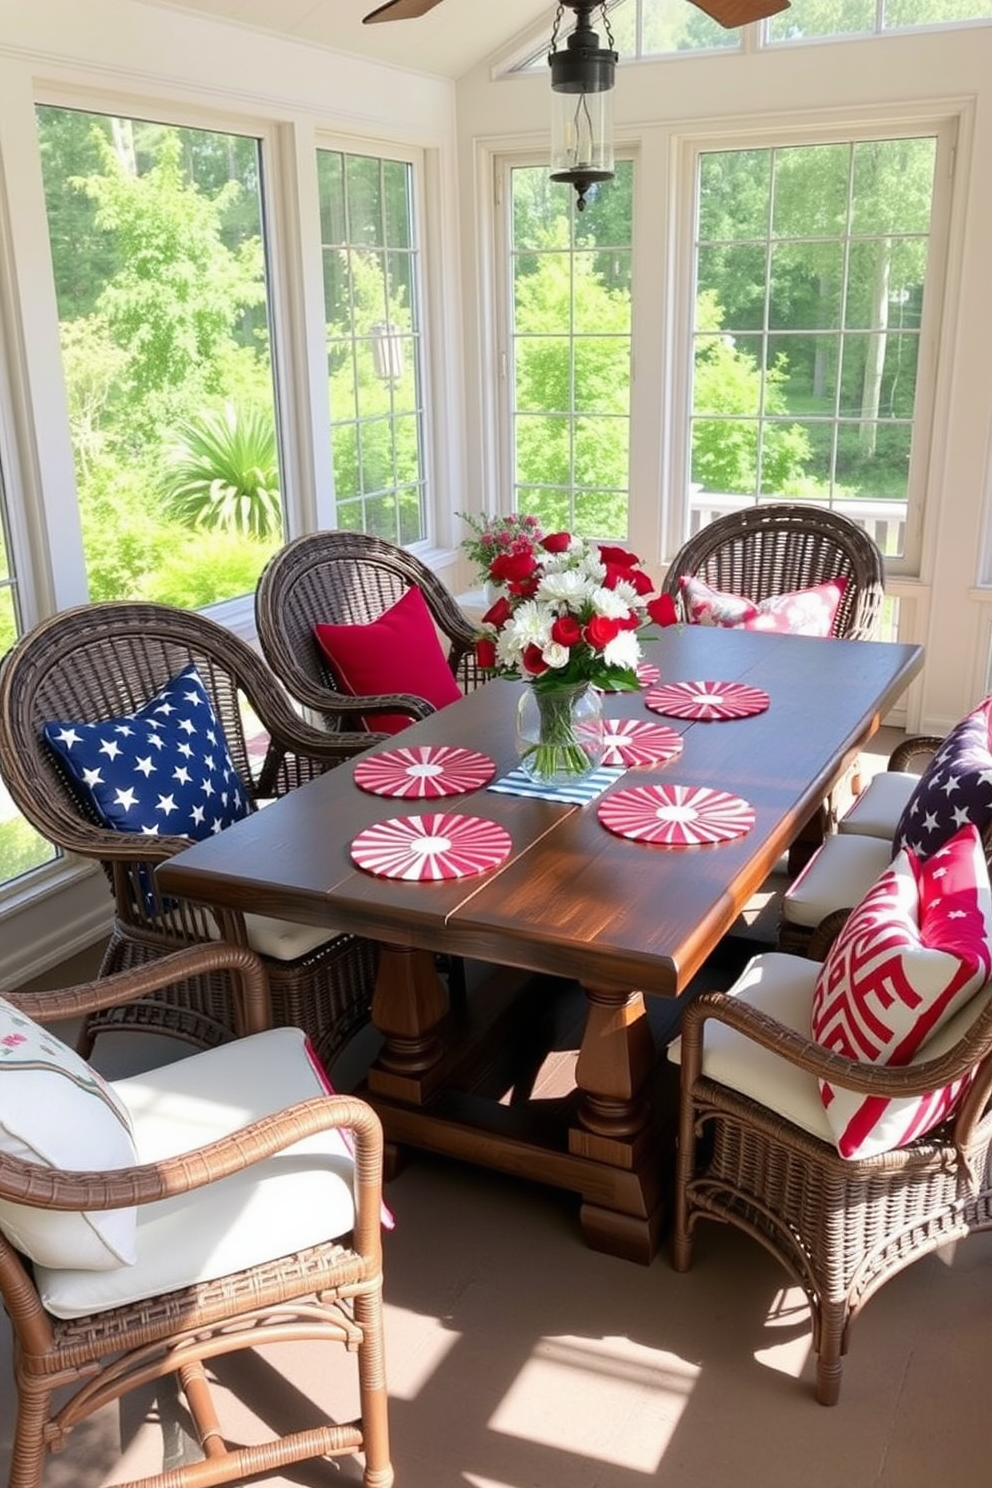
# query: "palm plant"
x,y
222,472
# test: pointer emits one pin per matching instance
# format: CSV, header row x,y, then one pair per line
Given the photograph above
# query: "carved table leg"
x,y
621,1212
409,1003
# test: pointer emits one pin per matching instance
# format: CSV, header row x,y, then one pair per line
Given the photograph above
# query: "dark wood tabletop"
x,y
572,900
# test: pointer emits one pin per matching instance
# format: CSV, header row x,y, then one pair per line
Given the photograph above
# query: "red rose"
x,y
485,653
566,630
556,542
640,580
662,610
601,630
512,567
620,557
631,621
533,662
499,613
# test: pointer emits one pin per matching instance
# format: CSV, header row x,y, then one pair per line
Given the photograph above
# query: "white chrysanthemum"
x,y
629,595
554,655
623,651
530,624
609,603
567,586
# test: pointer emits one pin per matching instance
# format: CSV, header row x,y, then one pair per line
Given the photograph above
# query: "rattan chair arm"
x,y
248,974
917,746
55,1188
849,1074
825,933
344,705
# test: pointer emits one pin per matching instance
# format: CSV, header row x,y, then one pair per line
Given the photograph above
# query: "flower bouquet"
x,y
568,624
498,544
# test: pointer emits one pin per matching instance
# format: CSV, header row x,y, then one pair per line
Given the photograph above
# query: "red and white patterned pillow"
x,y
808,612
913,952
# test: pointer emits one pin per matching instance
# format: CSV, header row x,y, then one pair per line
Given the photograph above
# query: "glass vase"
x,y
560,732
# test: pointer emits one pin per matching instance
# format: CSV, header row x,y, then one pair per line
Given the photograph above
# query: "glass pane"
x,y
727,375
811,185
543,373
932,12
543,450
733,279
158,253
330,183
893,185
801,374
725,455
397,195
372,314
873,459
805,285
673,26
795,459
571,349
826,18
733,194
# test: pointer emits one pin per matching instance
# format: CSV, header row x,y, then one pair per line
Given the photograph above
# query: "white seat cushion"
x,y
283,940
298,1198
837,876
876,812
782,986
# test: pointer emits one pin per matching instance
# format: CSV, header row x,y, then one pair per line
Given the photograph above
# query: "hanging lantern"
x,y
582,78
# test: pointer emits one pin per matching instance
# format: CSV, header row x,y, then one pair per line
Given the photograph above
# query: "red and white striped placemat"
x,y
707,700
435,846
637,741
424,770
676,815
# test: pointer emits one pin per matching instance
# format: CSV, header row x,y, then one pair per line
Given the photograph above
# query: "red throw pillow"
x,y
910,956
808,612
399,652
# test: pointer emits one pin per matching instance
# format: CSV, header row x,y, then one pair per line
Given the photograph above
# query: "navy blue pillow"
x,y
162,771
955,789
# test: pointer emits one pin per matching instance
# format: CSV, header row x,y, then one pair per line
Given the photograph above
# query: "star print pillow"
x,y
162,771
956,787
909,958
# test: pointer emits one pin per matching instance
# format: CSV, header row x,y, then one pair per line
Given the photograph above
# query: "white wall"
x,y
659,104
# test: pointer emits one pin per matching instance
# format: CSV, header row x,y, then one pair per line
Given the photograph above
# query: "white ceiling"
x,y
448,41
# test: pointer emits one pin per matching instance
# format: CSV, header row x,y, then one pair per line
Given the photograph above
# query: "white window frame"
x,y
425,234
504,164
944,126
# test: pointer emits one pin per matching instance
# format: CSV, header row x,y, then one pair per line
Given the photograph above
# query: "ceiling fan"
x,y
728,13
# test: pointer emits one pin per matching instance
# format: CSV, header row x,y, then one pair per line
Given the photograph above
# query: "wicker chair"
x,y
83,1339
841,1228
348,578
772,549
100,661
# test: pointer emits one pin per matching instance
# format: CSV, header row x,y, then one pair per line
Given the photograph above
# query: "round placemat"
x,y
707,700
424,770
434,846
636,741
676,815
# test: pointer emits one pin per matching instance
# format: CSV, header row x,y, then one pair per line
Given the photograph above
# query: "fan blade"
x,y
399,10
734,13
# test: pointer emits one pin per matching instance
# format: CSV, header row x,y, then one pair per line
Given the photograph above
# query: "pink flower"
x,y
11,1040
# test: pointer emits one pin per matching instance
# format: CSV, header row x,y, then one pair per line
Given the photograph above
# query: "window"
x,y
158,250
812,306
373,315
21,849
569,288
643,28
810,19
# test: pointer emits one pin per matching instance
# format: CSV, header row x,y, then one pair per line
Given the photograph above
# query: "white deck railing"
x,y
885,521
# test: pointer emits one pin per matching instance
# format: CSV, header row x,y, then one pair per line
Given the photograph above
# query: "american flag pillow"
x,y
956,787
164,770
912,953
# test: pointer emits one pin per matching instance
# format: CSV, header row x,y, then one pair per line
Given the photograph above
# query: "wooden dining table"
x,y
618,922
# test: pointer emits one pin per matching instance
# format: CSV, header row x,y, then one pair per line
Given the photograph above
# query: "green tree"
x,y
223,472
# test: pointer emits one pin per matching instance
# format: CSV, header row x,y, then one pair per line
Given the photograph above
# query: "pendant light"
x,y
582,78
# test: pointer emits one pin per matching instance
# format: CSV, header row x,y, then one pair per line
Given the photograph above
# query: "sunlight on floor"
x,y
598,1401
